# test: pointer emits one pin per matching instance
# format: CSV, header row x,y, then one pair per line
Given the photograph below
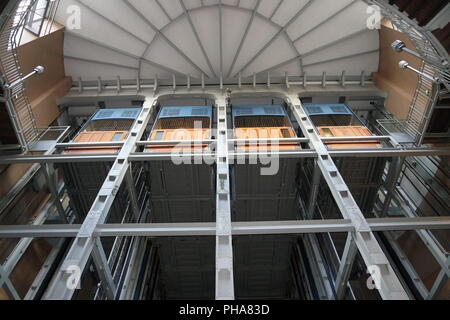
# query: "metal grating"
x,y
21,114
110,125
260,121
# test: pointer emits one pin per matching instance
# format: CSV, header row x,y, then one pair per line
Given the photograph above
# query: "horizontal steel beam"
x,y
304,140
341,153
365,138
238,228
170,156
274,154
174,142
89,145
59,158
389,152
406,224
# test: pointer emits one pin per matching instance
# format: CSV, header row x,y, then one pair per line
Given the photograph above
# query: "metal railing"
x,y
17,103
435,63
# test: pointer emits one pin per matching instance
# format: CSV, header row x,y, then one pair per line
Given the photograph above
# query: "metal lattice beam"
x,y
224,246
390,286
84,243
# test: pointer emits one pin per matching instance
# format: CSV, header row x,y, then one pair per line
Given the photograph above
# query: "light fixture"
x,y
405,65
37,70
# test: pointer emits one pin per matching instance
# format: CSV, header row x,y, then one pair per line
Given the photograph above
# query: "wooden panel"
x,y
42,90
29,265
178,135
265,133
347,131
399,84
3,295
96,136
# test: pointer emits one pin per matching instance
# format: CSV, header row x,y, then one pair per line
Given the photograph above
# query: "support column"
x,y
67,278
348,257
8,286
224,247
54,192
103,269
393,175
131,187
314,191
385,279
440,281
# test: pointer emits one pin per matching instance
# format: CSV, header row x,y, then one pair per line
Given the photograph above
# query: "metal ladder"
x,y
422,105
435,62
18,105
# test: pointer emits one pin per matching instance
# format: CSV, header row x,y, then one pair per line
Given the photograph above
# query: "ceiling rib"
x,y
241,43
101,62
341,58
292,20
164,10
276,9
325,21
162,35
325,46
123,52
318,62
197,37
220,5
111,22
330,44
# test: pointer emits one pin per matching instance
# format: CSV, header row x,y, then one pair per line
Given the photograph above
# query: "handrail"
x,y
17,103
435,65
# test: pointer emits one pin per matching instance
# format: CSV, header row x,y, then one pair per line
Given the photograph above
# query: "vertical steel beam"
x,y
224,247
386,281
103,270
132,193
54,192
345,267
440,281
314,191
8,286
69,273
318,266
393,174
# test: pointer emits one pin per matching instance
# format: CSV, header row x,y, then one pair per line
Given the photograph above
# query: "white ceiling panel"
x,y
118,13
258,36
351,65
183,37
317,12
268,59
91,71
288,9
267,7
248,4
152,11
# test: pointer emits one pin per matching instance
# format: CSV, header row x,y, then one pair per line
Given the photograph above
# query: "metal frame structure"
x,y
360,230
435,65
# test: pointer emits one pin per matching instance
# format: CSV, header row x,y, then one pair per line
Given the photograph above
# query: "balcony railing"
x,y
435,64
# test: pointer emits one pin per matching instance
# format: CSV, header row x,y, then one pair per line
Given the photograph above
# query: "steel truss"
x,y
361,239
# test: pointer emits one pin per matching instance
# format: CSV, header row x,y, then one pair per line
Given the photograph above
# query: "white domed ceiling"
x,y
144,38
